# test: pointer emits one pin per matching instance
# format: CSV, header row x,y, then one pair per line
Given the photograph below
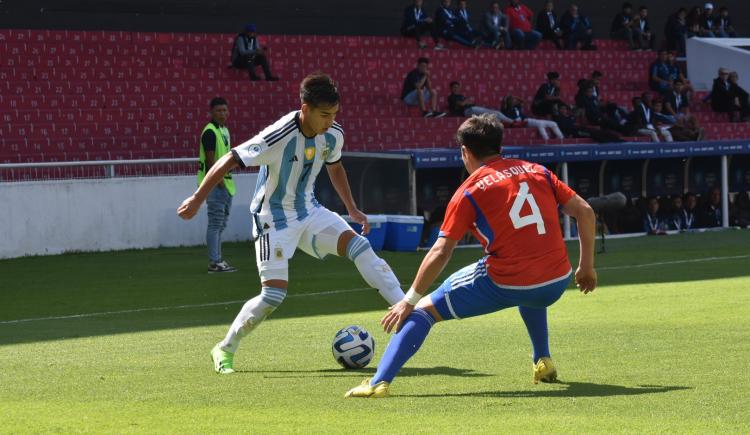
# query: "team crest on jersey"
x,y
279,253
309,153
325,153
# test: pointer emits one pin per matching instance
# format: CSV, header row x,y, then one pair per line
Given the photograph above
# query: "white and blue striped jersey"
x,y
289,164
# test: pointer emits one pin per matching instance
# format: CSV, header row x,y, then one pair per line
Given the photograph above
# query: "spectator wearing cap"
x,y
521,30
577,30
459,105
247,53
708,22
547,97
416,24
548,25
495,27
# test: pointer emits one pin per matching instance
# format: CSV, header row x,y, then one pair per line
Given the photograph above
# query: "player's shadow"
x,y
572,389
369,371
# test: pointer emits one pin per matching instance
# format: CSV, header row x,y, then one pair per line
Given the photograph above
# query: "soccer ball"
x,y
353,347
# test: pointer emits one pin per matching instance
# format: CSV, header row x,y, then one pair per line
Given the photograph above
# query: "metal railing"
x,y
35,171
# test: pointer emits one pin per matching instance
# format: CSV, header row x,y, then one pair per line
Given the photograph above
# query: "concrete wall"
x,y
51,217
706,55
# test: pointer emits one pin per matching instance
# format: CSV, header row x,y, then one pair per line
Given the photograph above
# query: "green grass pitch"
x,y
656,348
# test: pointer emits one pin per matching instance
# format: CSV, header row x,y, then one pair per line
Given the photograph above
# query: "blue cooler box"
x,y
404,232
376,236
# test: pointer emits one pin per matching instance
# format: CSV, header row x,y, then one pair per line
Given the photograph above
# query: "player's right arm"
x,y
585,218
215,175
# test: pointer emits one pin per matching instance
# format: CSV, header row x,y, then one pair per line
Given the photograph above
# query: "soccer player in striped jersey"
x,y
286,216
511,207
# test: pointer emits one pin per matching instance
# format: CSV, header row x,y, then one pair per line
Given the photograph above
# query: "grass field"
x,y
657,348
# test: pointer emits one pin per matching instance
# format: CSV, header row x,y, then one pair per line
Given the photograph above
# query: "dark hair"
x,y
423,60
318,89
453,83
553,75
596,73
627,5
482,135
680,81
643,8
217,101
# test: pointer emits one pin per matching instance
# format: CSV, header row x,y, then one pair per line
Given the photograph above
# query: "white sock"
x,y
374,270
251,315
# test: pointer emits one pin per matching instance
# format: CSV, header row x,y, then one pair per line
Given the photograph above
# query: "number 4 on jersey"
x,y
534,218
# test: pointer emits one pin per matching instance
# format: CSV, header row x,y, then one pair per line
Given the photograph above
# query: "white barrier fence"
x,y
52,217
706,55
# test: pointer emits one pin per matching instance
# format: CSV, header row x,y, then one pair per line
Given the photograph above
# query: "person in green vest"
x,y
214,144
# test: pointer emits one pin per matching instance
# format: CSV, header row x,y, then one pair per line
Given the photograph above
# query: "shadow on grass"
x,y
368,371
572,389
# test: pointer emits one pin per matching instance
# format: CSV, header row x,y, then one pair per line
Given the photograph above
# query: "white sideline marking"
x,y
326,293
173,307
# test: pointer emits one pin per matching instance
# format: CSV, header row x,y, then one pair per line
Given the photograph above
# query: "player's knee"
x,y
356,247
273,296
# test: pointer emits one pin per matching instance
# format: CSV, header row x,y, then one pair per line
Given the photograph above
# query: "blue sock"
x,y
536,324
403,345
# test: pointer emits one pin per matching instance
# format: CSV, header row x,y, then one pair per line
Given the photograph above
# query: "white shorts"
x,y
316,235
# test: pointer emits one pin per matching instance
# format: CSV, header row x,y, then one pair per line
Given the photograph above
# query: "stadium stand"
x,y
98,95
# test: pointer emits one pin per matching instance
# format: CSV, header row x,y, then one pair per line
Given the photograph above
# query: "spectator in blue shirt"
x,y
463,24
653,222
659,76
446,22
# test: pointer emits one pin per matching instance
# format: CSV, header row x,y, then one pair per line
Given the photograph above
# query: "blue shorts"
x,y
470,292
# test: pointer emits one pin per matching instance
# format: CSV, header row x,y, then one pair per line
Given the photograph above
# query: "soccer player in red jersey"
x,y
511,207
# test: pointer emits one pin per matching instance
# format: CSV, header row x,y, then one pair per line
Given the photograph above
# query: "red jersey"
x,y
511,207
519,18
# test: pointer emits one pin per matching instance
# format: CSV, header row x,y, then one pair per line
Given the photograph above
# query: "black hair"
x,y
318,89
217,101
553,75
627,5
596,73
423,60
643,8
453,83
482,135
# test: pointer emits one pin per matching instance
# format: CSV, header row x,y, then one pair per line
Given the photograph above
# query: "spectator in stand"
x,y
247,54
642,30
519,24
740,212
659,75
675,73
623,27
690,212
725,23
678,129
740,96
567,121
709,216
446,22
459,105
653,222
513,109
709,25
694,19
642,122
676,31
577,30
587,102
677,105
723,99
418,90
464,27
417,24
675,220
548,25
547,97
596,80
495,27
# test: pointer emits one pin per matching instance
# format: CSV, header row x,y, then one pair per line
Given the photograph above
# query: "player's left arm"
x,y
340,182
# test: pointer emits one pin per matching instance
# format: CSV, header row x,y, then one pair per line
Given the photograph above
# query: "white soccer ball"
x,y
353,347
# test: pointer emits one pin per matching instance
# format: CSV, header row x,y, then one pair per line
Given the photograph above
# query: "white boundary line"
x,y
326,293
